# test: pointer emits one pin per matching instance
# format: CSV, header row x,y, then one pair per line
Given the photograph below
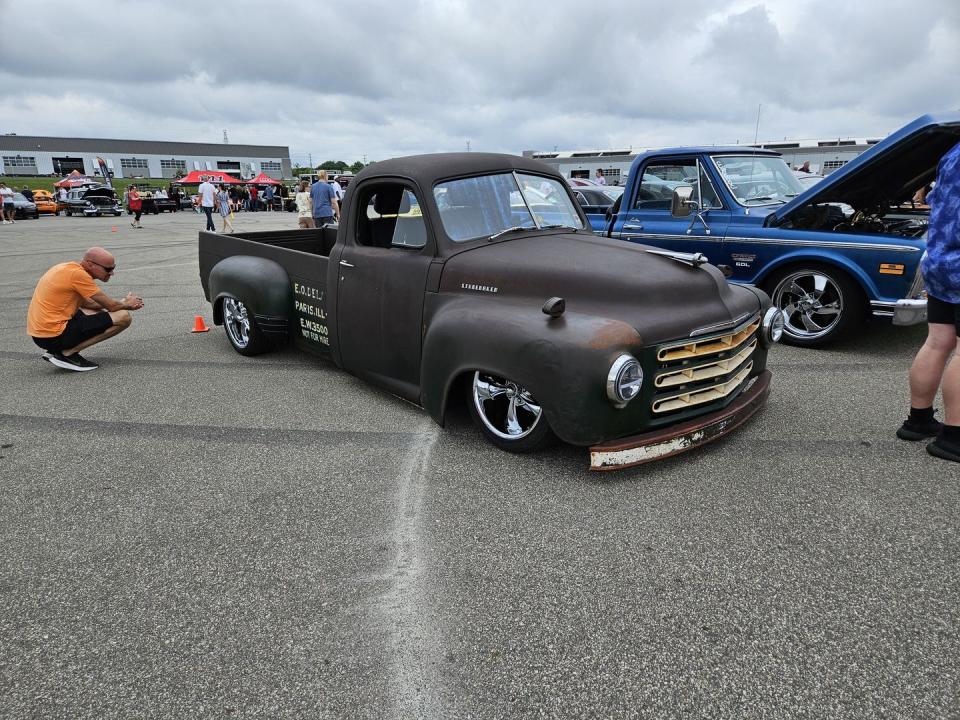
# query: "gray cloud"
x,y
381,79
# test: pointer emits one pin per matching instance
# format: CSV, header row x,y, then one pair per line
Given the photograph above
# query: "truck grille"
x,y
707,370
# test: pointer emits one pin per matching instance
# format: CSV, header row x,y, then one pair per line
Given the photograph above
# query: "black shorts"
x,y
79,328
942,312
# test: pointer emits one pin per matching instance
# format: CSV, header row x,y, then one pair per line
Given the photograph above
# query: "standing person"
x,y
69,312
8,207
234,197
27,193
223,204
207,196
601,180
253,198
338,190
268,197
136,205
326,209
933,367
304,206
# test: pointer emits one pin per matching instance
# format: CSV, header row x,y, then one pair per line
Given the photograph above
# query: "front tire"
x,y
507,414
819,303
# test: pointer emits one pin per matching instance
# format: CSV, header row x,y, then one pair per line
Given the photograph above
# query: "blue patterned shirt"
x,y
941,267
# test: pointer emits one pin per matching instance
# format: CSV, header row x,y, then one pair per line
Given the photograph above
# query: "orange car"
x,y
45,202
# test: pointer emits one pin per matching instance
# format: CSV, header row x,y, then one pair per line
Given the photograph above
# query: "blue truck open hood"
x,y
886,174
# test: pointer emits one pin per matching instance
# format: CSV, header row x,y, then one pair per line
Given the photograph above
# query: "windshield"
x,y
491,205
758,179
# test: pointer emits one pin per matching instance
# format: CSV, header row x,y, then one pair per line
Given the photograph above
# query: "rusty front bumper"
x,y
665,442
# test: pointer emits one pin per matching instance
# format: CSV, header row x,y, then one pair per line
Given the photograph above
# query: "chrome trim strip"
x,y
882,304
721,326
789,243
827,244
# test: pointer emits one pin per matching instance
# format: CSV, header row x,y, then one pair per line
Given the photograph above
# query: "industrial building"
x,y
824,155
58,156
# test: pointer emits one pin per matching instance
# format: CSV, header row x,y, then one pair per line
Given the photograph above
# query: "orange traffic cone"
x,y
113,228
199,325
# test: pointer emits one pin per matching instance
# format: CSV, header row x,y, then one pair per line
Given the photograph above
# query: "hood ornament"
x,y
693,259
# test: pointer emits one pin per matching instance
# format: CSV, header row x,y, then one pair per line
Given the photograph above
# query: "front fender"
x,y
799,257
562,361
263,286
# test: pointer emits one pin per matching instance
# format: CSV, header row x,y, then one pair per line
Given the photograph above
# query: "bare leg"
x,y
121,321
951,393
928,368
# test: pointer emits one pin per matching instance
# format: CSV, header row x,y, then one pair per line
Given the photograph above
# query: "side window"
x,y
661,177
393,218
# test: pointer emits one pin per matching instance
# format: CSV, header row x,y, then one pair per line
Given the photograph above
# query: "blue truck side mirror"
x,y
681,204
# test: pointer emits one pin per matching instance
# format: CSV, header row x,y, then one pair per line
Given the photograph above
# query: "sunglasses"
x,y
108,269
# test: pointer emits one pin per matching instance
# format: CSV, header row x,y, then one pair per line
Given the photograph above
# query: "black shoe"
x,y
68,363
945,450
914,430
83,362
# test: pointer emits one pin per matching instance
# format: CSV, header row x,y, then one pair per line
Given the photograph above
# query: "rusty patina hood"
x,y
662,298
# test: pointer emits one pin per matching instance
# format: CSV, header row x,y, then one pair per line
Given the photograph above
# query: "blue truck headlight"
x,y
771,329
624,380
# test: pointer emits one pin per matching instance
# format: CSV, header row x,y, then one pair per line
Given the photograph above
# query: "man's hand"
x,y
133,302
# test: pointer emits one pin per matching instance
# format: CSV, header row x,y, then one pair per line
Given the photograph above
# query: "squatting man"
x,y
69,312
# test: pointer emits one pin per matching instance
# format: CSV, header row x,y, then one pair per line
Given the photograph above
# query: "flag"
x,y
104,172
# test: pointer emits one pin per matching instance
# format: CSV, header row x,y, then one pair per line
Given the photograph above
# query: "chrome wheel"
x,y
812,304
506,409
236,322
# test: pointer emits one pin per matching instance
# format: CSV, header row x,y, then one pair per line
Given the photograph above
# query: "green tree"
x,y
356,167
337,165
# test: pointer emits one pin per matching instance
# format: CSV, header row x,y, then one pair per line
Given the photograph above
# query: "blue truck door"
x,y
645,215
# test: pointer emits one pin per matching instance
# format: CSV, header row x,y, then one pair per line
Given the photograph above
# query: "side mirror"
x,y
680,204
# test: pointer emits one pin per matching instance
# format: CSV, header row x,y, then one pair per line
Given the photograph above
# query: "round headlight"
x,y
772,328
624,380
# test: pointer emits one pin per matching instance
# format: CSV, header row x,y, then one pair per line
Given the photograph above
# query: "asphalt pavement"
x,y
189,533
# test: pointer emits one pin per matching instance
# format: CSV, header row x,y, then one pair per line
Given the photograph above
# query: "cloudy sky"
x,y
358,79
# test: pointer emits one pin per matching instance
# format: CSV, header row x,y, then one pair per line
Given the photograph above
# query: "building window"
x,y
267,166
19,161
133,164
173,164
612,176
829,165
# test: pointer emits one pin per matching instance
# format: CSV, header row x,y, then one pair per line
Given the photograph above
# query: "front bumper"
x,y
902,312
665,442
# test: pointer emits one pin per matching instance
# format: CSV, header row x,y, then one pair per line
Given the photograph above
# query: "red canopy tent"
x,y
75,179
263,179
216,176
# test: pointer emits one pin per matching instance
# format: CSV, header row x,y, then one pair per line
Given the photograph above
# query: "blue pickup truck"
x,y
828,256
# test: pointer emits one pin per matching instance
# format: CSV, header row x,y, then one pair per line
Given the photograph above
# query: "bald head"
x,y
98,255
98,263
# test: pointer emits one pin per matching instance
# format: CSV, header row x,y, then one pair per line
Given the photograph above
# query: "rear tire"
x,y
242,329
820,303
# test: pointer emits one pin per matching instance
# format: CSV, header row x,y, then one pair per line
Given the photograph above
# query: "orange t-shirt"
x,y
57,299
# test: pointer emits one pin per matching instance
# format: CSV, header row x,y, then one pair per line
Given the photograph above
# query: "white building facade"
x,y
57,156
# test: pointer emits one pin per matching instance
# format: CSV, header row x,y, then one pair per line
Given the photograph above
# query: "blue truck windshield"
x,y
758,179
490,205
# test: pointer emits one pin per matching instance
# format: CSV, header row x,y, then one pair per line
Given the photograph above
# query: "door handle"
x,y
633,225
346,264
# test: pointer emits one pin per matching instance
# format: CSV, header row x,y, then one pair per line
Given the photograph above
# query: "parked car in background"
x,y
581,182
595,201
807,180
23,208
93,202
46,203
828,255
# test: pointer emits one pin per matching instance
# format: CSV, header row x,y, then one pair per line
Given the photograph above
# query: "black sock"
x,y
951,434
921,414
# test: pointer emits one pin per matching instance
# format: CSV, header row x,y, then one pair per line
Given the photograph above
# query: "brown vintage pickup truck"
x,y
476,277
